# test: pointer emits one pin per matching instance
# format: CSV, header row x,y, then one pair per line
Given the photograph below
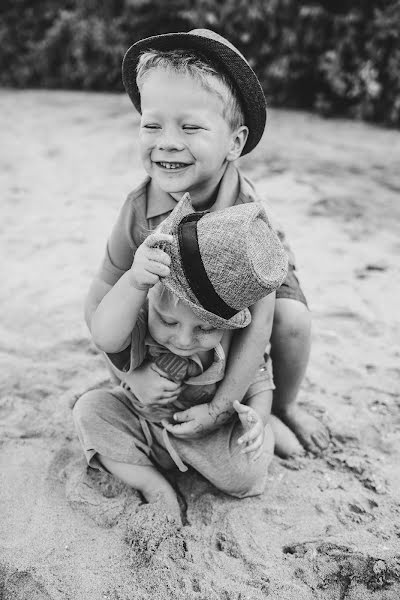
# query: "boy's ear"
x,y
239,139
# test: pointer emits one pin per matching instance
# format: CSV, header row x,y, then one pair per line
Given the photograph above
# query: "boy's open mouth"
x,y
171,166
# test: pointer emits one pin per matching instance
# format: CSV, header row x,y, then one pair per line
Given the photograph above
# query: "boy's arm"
x,y
114,319
246,353
245,356
98,289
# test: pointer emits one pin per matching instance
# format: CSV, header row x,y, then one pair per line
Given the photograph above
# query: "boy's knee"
x,y
292,318
246,484
246,478
87,406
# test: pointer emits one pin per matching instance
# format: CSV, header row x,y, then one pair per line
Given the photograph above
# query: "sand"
x,y
327,527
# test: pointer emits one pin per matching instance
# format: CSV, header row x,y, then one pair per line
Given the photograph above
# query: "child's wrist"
x,y
221,414
136,284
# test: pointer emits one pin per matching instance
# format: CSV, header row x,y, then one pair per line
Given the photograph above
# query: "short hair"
x,y
160,291
193,64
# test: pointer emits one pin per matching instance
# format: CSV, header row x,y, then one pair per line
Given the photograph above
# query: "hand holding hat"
x,y
151,262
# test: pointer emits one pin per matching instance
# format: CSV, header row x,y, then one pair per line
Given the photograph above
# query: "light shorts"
x,y
108,425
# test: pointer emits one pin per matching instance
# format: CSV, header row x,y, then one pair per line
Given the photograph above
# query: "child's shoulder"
x,y
138,195
247,189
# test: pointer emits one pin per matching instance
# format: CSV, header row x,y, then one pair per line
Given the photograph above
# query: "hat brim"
x,y
228,60
238,321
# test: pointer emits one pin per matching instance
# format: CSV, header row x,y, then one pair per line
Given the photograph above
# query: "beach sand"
x,y
326,527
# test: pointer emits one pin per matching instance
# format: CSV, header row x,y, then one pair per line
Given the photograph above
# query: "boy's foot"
x,y
312,434
286,443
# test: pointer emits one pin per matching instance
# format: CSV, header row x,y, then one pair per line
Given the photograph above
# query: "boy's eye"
x,y
206,330
167,323
191,127
151,126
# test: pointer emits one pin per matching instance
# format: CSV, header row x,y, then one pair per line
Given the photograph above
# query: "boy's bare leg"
x,y
290,351
153,486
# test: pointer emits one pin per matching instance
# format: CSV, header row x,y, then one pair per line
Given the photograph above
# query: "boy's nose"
x,y
184,339
169,142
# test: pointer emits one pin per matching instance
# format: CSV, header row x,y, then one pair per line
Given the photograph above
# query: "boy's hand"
x,y
150,263
253,439
152,387
193,423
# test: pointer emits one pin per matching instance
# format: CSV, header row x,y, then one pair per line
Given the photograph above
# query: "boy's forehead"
x,y
166,302
187,83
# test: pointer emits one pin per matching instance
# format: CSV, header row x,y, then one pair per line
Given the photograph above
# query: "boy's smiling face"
x,y
185,141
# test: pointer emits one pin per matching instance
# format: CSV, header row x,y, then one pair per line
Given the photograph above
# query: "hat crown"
x,y
242,255
223,261
212,35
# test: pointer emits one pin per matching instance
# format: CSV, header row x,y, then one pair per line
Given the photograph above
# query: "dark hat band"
x,y
194,270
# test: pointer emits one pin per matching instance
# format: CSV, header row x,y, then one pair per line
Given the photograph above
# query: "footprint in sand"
x,y
100,496
21,585
341,572
97,494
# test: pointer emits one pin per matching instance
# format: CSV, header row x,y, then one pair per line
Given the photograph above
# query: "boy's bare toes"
x,y
321,438
312,434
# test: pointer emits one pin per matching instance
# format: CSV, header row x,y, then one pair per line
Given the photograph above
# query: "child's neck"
x,y
202,200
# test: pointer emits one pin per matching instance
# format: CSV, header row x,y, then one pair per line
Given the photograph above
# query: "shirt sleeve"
x,y
263,381
122,244
124,362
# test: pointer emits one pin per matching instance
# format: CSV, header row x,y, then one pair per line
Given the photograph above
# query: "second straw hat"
x,y
224,261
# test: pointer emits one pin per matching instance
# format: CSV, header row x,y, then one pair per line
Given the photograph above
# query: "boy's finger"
x,y
252,447
182,417
249,436
168,394
240,408
168,397
150,278
167,384
156,268
158,255
257,454
179,429
156,238
167,401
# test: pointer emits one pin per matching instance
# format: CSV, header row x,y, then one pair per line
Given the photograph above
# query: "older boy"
x,y
202,107
176,307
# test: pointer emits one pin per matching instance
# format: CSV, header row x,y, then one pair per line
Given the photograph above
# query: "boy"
x,y
202,107
177,307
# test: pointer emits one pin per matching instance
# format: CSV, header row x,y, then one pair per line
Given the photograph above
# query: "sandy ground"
x,y
326,528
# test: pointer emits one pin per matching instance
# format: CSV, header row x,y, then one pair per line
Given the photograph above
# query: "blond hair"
x,y
189,63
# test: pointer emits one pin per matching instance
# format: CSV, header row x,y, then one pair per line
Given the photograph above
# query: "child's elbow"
x,y
107,344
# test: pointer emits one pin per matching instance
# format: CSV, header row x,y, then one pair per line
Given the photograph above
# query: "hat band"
x,y
194,269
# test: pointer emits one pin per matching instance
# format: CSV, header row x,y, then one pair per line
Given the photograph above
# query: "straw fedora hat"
x,y
223,56
222,262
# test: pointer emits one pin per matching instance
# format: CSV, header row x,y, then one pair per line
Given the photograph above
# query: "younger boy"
x,y
177,307
202,107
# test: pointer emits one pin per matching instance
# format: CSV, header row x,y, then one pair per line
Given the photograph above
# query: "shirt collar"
x,y
233,189
158,201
